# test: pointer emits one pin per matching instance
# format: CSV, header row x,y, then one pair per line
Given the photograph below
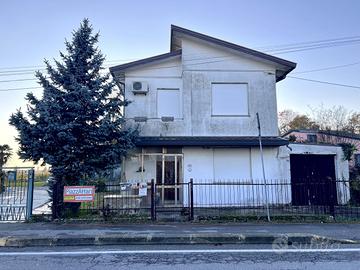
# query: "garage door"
x,y
313,179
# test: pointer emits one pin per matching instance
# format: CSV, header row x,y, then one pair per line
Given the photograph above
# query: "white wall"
x,y
226,66
194,78
243,165
167,74
239,165
222,164
226,165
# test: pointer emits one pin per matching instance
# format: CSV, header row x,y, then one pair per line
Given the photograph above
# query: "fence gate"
x,y
16,193
173,201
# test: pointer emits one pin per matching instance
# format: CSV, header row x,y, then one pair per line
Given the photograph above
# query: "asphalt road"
x,y
41,196
181,257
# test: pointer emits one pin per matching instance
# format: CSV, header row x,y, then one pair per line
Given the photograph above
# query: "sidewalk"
x,y
48,234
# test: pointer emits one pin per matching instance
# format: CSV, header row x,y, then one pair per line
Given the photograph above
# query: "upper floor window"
x,y
311,138
230,99
168,102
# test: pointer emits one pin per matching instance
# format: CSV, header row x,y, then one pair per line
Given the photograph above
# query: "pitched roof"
x,y
336,133
287,65
229,141
283,66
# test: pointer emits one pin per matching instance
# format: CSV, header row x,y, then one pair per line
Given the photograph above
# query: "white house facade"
x,y
196,108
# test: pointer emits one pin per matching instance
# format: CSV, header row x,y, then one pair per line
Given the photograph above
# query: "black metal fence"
x,y
199,200
281,198
111,201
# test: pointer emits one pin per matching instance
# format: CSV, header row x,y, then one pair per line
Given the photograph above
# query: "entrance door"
x,y
313,179
168,179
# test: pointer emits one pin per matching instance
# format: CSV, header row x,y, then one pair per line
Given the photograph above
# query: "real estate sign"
x,y
79,193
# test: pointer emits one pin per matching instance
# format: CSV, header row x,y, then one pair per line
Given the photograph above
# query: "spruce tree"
x,y
77,126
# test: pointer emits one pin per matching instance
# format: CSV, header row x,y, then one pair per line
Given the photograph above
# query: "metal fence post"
x,y
191,202
30,194
57,194
263,169
332,199
153,209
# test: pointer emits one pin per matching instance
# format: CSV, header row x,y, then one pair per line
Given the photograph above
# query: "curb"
x,y
187,239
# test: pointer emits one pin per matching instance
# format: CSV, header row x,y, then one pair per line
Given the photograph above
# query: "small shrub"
x,y
348,150
292,138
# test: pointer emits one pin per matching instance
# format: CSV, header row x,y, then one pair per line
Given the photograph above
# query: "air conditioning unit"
x,y
140,87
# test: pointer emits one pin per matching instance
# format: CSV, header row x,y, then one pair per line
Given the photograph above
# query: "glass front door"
x,y
168,179
165,166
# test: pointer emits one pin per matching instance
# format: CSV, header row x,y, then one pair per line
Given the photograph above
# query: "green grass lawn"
x,y
40,184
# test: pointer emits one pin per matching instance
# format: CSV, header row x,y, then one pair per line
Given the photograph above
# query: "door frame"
x,y
178,172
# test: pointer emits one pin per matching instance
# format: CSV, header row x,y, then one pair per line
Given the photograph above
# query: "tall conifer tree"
x,y
77,126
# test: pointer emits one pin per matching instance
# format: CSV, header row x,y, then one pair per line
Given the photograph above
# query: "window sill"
x,y
245,115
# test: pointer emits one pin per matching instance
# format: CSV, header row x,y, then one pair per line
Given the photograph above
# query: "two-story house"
x,y
196,108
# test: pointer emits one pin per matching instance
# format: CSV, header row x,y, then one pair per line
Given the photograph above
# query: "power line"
x,y
313,48
17,80
19,89
337,43
20,70
20,73
324,82
43,66
293,47
293,77
276,52
306,43
19,67
300,72
273,48
30,72
9,72
327,68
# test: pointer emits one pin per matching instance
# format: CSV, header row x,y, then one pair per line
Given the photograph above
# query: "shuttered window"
x,y
168,103
230,99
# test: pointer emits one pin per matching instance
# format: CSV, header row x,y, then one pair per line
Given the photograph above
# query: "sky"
x,y
31,31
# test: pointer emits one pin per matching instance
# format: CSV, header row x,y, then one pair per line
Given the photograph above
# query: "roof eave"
x,y
209,141
283,76
144,61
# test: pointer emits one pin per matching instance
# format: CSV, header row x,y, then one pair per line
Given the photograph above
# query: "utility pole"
x,y
263,168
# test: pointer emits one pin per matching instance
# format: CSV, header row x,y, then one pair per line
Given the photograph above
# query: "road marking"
x,y
187,251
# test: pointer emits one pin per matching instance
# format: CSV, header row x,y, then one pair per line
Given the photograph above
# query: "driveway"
x,y
40,200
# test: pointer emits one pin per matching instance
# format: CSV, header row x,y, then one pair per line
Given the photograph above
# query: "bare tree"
x,y
334,118
289,120
353,124
284,118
